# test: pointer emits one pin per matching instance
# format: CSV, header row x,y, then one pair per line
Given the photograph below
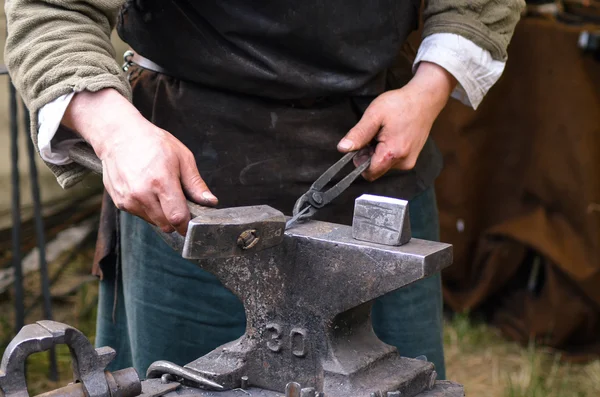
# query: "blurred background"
x,y
519,199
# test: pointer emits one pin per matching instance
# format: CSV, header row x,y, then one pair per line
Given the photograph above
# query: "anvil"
x,y
308,307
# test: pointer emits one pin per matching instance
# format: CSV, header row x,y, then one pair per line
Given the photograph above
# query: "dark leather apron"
x,y
261,141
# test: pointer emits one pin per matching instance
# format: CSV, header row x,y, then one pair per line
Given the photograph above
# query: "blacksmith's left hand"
x,y
400,122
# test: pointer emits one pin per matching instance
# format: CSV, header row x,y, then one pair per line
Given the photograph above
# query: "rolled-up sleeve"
x,y
489,24
472,66
56,47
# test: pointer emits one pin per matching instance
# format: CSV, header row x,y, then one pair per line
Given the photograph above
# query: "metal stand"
x,y
39,225
16,211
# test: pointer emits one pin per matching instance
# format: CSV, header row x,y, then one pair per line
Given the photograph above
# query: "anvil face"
x,y
308,303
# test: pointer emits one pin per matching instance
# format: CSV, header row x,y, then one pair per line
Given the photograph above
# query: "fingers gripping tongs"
x,y
316,197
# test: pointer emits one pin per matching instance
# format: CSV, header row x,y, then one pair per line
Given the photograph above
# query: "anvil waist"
x,y
277,50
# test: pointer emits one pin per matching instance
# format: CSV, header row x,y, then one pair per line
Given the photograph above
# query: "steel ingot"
x,y
381,220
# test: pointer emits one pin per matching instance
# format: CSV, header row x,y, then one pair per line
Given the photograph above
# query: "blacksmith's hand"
x,y
145,169
400,122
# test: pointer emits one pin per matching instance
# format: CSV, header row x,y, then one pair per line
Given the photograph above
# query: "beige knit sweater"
x,y
55,47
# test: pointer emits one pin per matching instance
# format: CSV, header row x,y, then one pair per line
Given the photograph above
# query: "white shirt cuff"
x,y
54,150
472,66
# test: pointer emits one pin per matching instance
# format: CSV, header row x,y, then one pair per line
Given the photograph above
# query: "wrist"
x,y
96,115
432,85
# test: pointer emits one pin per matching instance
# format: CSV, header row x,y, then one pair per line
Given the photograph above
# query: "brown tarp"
x,y
521,191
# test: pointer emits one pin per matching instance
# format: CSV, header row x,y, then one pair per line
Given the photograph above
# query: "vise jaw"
x,y
308,308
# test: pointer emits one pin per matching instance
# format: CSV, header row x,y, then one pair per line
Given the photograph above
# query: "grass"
x,y
489,365
476,354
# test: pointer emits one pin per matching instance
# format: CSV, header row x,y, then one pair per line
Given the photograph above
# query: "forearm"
x,y
432,84
93,115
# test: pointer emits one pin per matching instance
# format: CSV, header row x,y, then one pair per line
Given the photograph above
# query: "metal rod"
x,y
292,389
16,210
123,383
41,238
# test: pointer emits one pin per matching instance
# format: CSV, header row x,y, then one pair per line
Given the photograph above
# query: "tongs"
x,y
316,197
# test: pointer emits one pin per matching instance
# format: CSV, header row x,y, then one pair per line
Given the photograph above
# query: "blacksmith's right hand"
x,y
146,170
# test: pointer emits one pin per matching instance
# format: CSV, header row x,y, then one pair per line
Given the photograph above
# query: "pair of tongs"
x,y
316,197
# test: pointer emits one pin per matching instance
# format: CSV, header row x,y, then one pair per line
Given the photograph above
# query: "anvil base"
x,y
441,389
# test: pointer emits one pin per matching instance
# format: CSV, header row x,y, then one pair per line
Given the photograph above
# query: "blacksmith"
x,y
248,101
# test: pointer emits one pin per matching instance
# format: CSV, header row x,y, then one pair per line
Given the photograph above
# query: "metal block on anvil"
x,y
381,220
308,304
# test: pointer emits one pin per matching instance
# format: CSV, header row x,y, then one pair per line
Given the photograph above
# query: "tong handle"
x,y
319,198
84,155
332,171
341,186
